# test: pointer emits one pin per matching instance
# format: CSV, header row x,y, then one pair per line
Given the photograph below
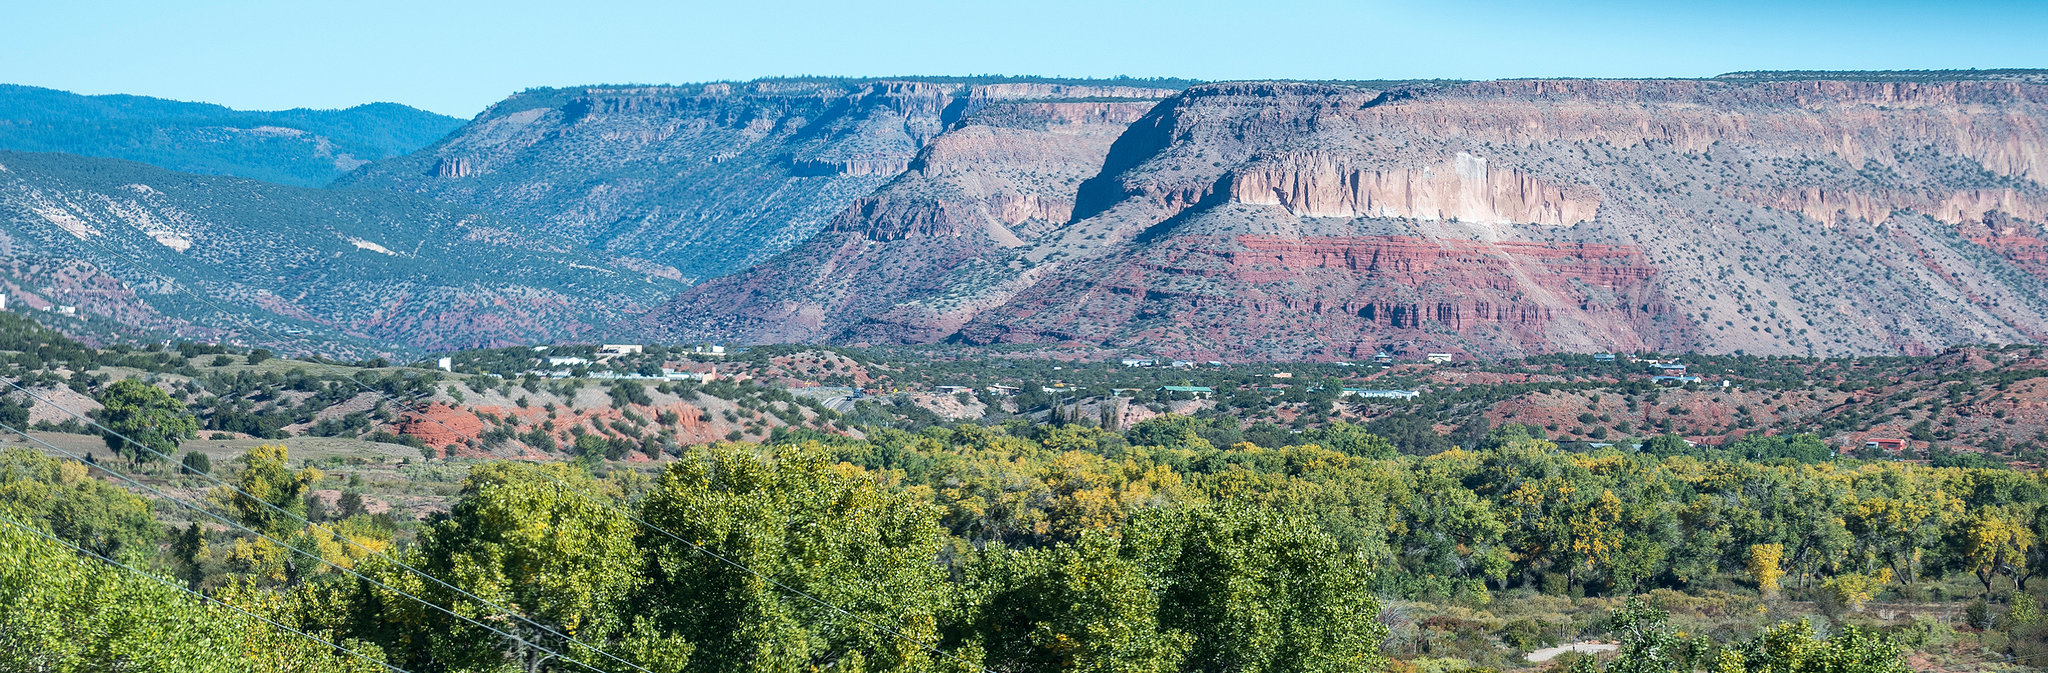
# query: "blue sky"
x,y
458,56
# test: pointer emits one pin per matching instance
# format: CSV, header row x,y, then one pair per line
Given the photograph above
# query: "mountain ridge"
x,y
301,147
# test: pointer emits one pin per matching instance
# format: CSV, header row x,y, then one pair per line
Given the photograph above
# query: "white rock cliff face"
x,y
1464,189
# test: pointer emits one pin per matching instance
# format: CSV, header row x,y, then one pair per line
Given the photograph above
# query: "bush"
x,y
198,463
1980,615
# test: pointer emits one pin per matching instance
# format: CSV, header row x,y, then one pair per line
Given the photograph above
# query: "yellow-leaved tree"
x,y
1766,566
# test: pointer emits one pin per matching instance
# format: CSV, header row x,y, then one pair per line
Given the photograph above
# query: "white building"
x,y
1381,394
446,364
619,349
558,361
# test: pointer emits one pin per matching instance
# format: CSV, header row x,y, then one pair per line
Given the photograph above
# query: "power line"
x,y
350,571
203,598
344,538
564,485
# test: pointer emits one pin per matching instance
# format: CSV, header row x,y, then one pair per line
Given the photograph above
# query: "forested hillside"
x,y
295,147
305,270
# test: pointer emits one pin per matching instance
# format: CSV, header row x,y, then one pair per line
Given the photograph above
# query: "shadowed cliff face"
x,y
909,261
1298,220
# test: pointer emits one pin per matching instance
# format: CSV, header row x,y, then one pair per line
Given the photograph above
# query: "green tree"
x,y
64,613
1257,591
133,410
1648,643
539,539
265,485
1079,606
804,523
1792,647
1352,440
63,498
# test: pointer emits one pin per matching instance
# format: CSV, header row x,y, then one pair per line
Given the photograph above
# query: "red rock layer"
x,y
1351,296
442,427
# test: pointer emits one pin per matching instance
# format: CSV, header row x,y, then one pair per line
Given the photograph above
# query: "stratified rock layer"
x,y
1267,219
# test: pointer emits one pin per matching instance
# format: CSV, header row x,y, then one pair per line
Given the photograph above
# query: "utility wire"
x,y
559,482
350,571
203,598
344,538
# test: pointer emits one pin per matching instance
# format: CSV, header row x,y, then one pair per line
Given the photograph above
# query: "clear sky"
x,y
458,56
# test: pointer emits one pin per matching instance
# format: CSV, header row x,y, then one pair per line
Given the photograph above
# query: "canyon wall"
x,y
1275,219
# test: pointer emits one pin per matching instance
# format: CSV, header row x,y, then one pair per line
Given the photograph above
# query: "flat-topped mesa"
x,y
1290,219
1464,189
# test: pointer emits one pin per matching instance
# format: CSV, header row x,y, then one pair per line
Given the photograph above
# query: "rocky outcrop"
x,y
453,167
851,166
1463,189
443,427
2023,243
1957,207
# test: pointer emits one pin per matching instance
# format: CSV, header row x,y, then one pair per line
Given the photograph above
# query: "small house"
x,y
619,349
1005,391
1439,358
952,390
1198,392
1139,362
1892,445
558,361
1603,357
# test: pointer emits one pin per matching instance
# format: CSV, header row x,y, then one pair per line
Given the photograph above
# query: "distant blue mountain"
x,y
294,147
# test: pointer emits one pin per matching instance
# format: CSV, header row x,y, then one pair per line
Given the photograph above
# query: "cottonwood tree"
x,y
136,415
